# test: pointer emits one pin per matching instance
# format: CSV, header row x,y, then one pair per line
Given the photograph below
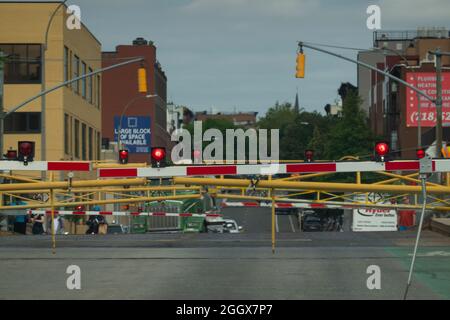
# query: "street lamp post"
x,y
43,86
130,103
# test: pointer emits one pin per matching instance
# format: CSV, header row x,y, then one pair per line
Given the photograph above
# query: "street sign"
x,y
135,133
374,219
426,81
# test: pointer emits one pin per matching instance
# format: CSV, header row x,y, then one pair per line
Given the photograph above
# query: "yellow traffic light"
x,y
142,80
300,65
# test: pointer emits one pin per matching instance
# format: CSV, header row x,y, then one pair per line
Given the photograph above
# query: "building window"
x,y
98,91
90,145
90,89
23,122
76,134
23,64
66,134
83,81
83,141
66,63
76,73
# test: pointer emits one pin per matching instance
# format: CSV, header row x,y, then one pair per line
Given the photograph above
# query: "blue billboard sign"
x,y
135,133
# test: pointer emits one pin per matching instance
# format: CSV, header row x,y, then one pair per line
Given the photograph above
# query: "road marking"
x,y
433,254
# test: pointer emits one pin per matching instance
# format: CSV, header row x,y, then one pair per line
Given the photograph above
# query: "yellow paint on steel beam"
x,y
358,177
108,201
322,186
17,178
273,221
406,178
52,208
75,184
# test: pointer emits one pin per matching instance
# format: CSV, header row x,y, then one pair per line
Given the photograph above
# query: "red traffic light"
x,y
420,153
123,156
26,151
309,155
382,149
158,155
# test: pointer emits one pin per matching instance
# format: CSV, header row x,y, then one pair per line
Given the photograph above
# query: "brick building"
x,y
120,89
391,106
241,119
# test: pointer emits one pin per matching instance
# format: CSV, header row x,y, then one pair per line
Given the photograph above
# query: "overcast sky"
x,y
240,54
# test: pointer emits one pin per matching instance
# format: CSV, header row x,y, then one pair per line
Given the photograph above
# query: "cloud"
x,y
253,8
414,13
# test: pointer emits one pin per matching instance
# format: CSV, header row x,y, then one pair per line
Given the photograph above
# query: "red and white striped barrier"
x,y
281,205
442,165
122,213
46,166
439,165
301,205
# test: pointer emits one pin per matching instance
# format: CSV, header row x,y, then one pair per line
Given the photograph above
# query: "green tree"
x,y
292,132
351,134
317,143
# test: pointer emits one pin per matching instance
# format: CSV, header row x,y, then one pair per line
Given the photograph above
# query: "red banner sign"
x,y
426,81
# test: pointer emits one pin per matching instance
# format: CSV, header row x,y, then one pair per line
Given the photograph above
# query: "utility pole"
x,y
2,119
438,102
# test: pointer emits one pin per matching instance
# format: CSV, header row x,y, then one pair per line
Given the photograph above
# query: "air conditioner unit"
x,y
429,58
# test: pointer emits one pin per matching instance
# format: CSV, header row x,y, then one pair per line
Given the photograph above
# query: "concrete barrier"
x,y
441,225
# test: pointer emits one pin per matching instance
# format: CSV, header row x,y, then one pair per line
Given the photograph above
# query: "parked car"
x,y
221,225
231,226
311,223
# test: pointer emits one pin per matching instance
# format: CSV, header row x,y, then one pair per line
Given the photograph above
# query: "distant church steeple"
x,y
296,105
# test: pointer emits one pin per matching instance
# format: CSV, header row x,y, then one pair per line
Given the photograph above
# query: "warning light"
x,y
123,156
158,155
420,153
381,149
309,155
79,208
26,151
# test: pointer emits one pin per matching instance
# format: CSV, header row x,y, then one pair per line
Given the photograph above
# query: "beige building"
x,y
73,113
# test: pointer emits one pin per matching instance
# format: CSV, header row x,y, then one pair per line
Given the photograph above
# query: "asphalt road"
x,y
325,265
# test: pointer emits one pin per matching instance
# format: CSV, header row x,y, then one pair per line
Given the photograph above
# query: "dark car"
x,y
311,223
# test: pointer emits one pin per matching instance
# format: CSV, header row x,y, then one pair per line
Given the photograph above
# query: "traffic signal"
x,y
26,151
300,65
158,156
420,153
381,150
123,156
309,155
142,80
11,155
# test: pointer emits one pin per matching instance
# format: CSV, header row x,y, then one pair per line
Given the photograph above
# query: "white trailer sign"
x,y
374,220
